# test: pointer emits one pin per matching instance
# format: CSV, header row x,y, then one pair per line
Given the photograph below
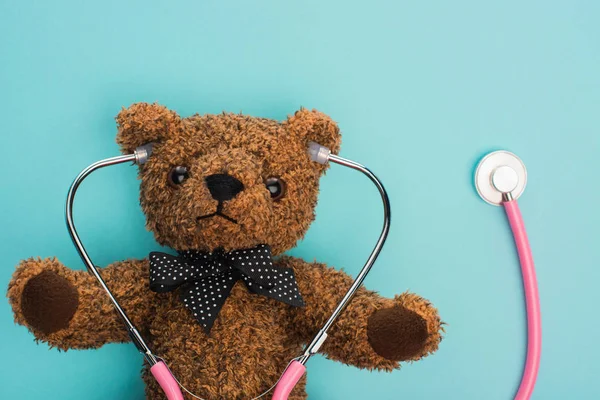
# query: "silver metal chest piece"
x,y
500,172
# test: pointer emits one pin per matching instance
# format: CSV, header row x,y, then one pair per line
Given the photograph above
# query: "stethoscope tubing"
x,y
158,368
313,347
532,300
133,333
296,368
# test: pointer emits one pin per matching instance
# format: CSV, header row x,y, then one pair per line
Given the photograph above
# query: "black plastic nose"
x,y
223,187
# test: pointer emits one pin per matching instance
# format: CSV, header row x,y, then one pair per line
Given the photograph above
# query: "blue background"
x,y
421,90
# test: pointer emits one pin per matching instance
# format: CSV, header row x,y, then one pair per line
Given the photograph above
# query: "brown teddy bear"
x,y
221,190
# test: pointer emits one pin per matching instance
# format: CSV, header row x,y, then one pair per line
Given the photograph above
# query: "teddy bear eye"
x,y
178,175
276,187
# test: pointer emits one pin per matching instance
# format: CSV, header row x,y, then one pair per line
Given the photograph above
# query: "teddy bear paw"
x,y
397,333
48,302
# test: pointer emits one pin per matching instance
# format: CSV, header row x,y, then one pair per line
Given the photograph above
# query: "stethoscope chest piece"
x,y
498,173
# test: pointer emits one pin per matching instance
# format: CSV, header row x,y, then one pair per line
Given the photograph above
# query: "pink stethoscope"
x,y
500,179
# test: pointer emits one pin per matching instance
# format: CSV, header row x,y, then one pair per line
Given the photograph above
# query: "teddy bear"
x,y
230,194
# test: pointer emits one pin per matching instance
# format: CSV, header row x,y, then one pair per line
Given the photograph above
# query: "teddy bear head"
x,y
227,181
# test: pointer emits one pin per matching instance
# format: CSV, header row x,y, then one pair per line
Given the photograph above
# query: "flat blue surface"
x,y
421,90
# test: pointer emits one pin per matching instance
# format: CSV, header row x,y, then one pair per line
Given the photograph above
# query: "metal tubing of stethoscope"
x,y
133,333
321,336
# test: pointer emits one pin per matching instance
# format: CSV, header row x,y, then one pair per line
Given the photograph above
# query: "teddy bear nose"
x,y
223,187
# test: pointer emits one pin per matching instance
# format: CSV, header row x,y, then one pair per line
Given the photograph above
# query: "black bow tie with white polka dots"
x,y
206,279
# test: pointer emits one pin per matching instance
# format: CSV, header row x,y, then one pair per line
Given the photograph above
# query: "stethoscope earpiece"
x,y
318,153
142,153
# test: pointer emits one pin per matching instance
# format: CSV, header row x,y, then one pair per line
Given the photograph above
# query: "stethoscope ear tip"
x,y
318,153
498,175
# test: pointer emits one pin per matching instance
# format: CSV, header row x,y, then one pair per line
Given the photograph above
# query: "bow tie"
x,y
206,279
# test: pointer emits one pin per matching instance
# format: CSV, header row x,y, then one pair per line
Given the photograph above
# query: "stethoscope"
x,y
296,367
500,179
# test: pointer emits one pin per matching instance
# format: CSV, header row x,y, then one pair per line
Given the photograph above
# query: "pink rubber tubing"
x,y
288,380
532,300
166,381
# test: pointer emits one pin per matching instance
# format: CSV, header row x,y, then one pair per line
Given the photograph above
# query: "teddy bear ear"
x,y
143,123
314,126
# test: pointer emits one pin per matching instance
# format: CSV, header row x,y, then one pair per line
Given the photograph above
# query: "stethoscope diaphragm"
x,y
500,172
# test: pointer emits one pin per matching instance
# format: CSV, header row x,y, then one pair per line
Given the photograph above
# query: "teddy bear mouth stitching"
x,y
218,213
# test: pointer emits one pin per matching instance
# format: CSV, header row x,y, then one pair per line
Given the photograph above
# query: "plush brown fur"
x,y
254,336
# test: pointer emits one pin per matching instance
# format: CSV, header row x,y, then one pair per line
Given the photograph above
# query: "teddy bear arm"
x,y
68,309
373,332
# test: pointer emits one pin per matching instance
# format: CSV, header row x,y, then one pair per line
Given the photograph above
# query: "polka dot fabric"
x,y
206,279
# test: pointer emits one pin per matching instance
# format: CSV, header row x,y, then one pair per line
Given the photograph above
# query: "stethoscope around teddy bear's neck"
x,y
296,368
